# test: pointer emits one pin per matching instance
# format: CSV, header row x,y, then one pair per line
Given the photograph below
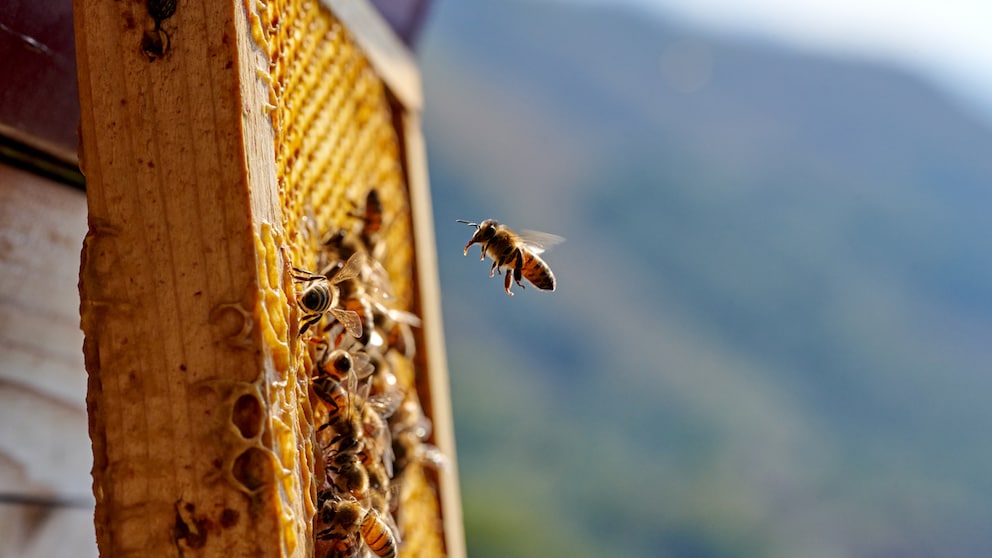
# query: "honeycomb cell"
x,y
248,416
253,469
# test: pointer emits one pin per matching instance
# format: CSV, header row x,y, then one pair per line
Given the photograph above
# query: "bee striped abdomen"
x,y
538,273
331,392
378,536
317,298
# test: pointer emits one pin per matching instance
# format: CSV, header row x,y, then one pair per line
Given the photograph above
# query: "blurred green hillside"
x,y
771,331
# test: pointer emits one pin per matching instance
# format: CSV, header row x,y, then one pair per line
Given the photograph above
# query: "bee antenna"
x,y
476,225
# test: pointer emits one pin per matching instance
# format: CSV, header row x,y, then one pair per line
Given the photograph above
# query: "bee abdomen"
x,y
316,299
539,273
378,536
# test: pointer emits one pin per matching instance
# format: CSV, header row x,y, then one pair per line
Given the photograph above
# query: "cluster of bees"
x,y
368,429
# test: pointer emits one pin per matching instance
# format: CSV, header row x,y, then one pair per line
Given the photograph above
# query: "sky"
x,y
948,40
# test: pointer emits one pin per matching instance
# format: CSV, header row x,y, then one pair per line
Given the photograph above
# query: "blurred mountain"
x,y
770,334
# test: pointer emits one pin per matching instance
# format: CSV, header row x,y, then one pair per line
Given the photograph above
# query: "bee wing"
x,y
404,317
362,365
351,385
350,319
378,284
422,427
537,241
401,316
388,457
386,403
432,456
352,268
363,391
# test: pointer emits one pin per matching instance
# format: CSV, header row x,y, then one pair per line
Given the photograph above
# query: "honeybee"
x,y
410,428
376,433
342,519
346,518
322,296
336,385
380,487
371,221
518,253
369,294
349,473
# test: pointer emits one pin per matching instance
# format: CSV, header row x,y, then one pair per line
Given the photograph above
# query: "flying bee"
x,y
322,295
518,253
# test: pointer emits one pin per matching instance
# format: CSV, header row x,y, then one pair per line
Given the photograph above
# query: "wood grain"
x,y
45,502
182,307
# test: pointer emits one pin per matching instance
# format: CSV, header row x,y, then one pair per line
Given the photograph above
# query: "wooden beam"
x,y
192,400
436,386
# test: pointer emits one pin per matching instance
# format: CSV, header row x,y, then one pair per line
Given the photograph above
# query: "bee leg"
x,y
325,533
309,321
323,426
334,408
499,264
494,269
304,276
506,283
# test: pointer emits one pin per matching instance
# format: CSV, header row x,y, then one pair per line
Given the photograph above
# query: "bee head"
x,y
485,231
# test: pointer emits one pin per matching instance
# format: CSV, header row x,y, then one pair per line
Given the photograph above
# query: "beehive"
x,y
209,176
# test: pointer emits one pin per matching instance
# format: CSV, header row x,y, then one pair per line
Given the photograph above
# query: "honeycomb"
x,y
335,141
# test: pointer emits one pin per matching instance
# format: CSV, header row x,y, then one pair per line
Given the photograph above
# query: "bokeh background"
x,y
772,330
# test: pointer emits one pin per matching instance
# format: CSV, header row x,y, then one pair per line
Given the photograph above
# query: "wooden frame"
x,y
185,289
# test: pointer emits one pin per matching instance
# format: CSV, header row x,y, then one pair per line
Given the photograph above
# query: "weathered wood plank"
x,y
43,442
44,448
45,532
